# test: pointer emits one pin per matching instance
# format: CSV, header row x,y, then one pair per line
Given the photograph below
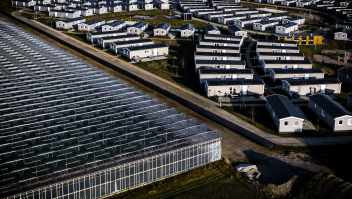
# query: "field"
x,y
215,180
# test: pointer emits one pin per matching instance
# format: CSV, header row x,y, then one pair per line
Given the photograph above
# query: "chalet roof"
x,y
236,82
282,106
299,82
330,106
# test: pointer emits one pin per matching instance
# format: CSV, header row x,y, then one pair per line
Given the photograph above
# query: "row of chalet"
x,y
74,9
282,61
219,66
287,118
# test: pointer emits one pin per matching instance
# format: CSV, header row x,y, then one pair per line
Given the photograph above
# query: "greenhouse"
x,y
70,131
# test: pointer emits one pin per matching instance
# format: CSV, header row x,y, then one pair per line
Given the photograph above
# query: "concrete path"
x,y
250,65
187,98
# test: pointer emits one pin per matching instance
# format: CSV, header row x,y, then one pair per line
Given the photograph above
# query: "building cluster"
x,y
219,66
75,8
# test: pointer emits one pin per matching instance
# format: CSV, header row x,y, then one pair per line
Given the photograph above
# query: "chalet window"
x,y
135,30
296,123
157,31
337,35
342,35
146,51
349,121
189,33
295,76
284,67
184,33
322,113
315,104
340,122
162,32
273,114
286,123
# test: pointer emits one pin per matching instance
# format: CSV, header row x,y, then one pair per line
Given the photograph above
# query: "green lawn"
x,y
215,180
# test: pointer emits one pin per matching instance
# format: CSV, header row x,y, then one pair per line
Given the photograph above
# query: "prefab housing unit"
x,y
279,56
223,37
187,30
242,12
113,8
229,8
287,74
345,75
212,74
213,42
220,64
230,19
331,112
104,41
272,42
137,28
247,22
116,47
265,25
297,20
312,86
259,14
274,1
113,26
201,13
162,5
288,3
212,29
145,6
162,29
215,16
91,25
286,28
244,87
284,114
285,64
216,56
237,31
69,23
341,34
146,51
217,49
63,14
277,49
92,37
274,17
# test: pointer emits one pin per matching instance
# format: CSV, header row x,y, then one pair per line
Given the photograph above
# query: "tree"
x,y
252,112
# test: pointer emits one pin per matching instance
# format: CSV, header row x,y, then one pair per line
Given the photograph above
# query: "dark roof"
x,y
341,29
268,22
279,47
282,106
298,82
62,11
277,41
93,21
74,19
115,23
223,36
247,10
136,41
228,62
187,27
211,28
330,106
259,13
282,54
226,71
139,24
147,47
297,71
250,19
163,26
289,24
210,11
235,28
236,82
297,34
287,61
107,33
218,54
234,16
219,47
228,12
345,70
119,37
220,41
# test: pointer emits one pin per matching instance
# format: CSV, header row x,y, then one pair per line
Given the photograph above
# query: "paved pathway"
x,y
250,65
192,100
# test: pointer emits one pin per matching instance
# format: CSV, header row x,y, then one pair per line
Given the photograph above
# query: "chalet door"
x,y
55,14
234,76
155,52
223,51
225,44
288,58
306,76
224,58
294,66
283,51
322,88
140,44
227,66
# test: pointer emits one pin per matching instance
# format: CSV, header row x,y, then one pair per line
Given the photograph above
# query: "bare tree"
x,y
252,112
183,61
